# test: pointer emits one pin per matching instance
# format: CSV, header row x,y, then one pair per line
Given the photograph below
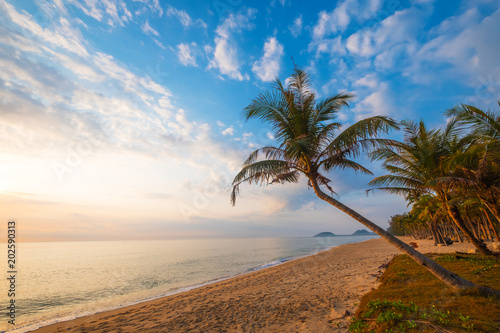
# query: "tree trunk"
x,y
440,233
448,277
461,225
485,229
497,216
457,232
434,234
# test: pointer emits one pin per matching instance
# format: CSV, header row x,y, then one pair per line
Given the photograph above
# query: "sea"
x,y
59,281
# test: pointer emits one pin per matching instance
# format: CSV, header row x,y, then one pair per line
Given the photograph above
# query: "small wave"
x,y
270,264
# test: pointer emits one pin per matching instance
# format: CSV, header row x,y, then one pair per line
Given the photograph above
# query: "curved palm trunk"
x,y
433,232
448,277
496,213
452,211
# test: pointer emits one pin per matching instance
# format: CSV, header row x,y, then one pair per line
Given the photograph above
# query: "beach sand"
x,y
310,294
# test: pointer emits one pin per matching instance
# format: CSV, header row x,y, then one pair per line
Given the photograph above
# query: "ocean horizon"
x,y
59,281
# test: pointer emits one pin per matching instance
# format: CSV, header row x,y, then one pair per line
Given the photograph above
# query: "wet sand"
x,y
310,294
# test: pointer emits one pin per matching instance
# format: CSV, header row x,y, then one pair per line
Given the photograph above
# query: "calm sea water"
x,y
62,281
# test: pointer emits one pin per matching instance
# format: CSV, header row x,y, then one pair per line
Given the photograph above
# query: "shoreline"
x,y
39,325
312,291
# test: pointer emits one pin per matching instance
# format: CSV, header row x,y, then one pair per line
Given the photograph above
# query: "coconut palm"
x,y
429,209
417,167
311,144
480,165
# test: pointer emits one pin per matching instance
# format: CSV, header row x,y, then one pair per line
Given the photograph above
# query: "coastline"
x,y
93,305
305,293
246,265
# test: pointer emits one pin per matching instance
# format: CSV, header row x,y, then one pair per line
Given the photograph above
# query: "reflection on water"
x,y
70,279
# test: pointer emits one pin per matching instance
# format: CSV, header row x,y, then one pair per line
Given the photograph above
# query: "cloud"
x,y
111,12
184,18
332,46
228,131
369,81
334,21
147,29
160,44
63,35
282,3
267,68
468,42
225,54
402,27
378,102
296,27
344,13
186,54
153,5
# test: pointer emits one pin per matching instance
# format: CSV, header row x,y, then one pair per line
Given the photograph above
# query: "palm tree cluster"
x,y
312,144
450,177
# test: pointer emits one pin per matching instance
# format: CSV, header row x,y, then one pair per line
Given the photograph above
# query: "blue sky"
x,y
122,119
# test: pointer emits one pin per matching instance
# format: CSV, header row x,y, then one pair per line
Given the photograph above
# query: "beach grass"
x,y
410,299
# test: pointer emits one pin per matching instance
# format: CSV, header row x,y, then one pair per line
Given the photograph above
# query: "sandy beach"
x,y
310,294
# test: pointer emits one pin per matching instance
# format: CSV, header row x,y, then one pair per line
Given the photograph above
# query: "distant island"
x,y
325,234
361,232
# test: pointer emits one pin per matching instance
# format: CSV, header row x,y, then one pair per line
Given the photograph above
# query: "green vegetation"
x,y
410,299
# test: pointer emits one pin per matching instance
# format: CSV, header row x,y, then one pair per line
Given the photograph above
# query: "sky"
x,y
123,119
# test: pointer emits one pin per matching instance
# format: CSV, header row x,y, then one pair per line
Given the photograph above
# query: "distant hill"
x,y
325,234
363,232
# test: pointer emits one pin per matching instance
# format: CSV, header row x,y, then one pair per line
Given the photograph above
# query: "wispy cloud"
x,y
111,12
296,27
147,29
186,54
344,13
184,18
153,5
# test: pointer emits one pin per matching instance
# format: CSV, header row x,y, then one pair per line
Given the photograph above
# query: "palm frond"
x,y
328,108
269,152
271,108
483,123
398,181
338,162
357,139
289,177
262,172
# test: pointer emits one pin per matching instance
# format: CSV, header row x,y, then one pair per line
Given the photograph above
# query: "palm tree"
x,y
482,163
429,209
417,167
311,144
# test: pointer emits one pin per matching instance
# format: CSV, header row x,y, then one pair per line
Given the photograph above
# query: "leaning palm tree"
x,y
311,144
